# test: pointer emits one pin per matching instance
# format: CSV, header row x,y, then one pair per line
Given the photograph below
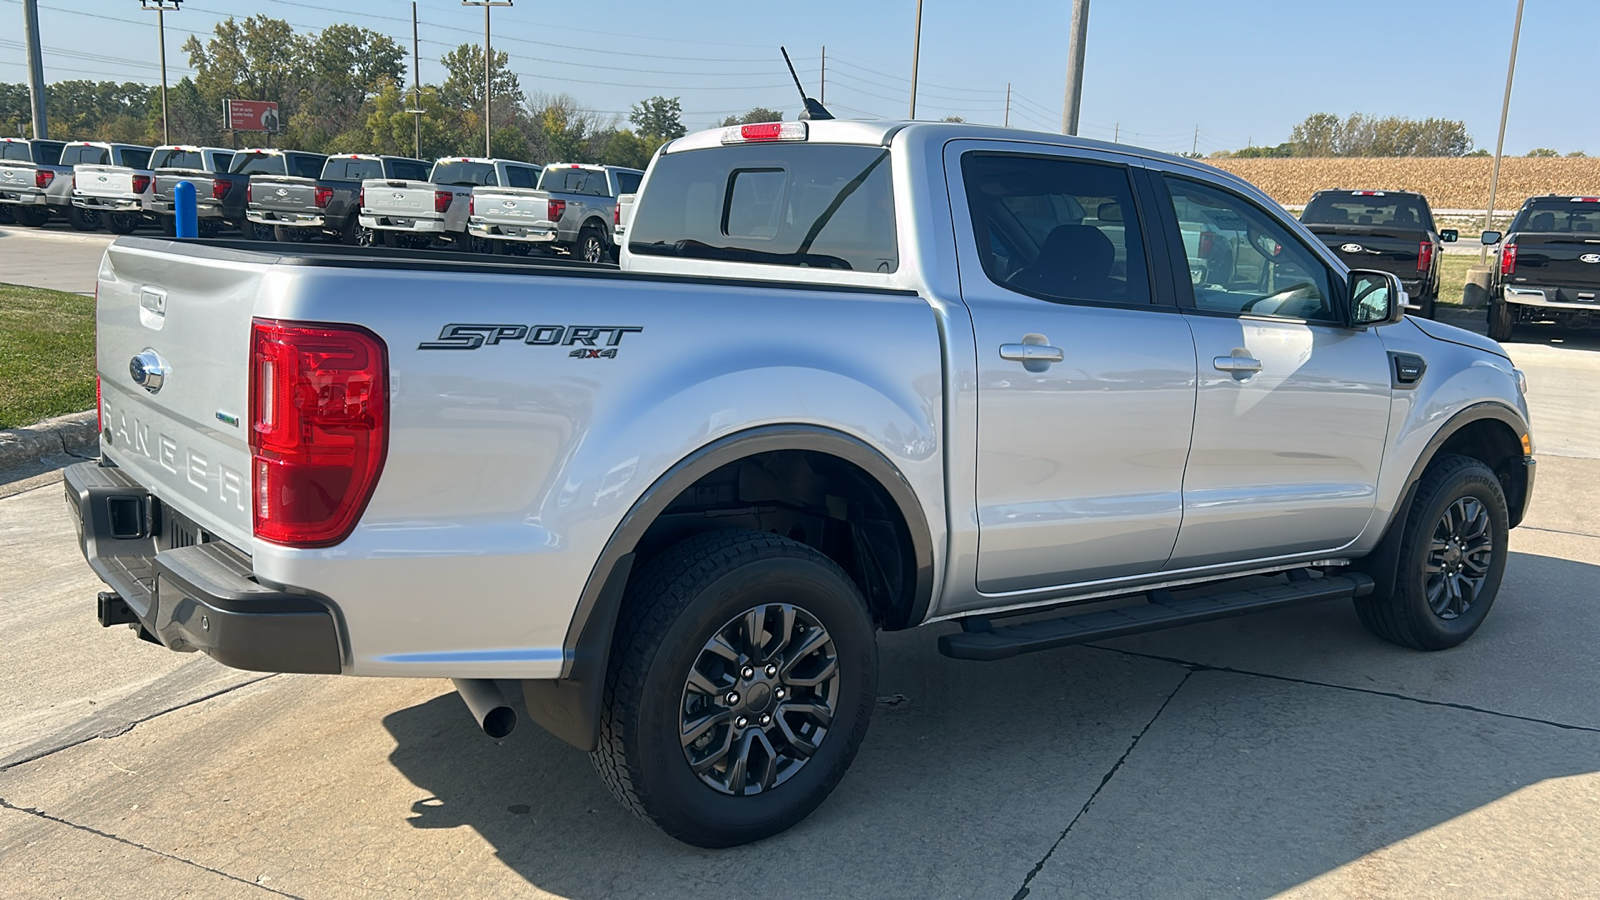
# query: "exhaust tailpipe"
x,y
488,705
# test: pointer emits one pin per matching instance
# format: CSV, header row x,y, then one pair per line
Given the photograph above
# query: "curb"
x,y
75,433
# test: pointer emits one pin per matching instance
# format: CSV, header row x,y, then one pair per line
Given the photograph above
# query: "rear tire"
x,y
1502,320
1452,556
121,222
83,219
592,246
780,717
29,217
1425,306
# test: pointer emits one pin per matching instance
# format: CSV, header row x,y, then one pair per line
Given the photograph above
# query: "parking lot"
x,y
1288,753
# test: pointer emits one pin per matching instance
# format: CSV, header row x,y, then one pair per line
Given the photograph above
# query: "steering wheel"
x,y
1273,302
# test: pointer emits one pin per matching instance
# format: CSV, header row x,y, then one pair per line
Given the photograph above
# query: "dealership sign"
x,y
250,115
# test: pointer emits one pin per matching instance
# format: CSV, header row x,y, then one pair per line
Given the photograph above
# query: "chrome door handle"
x,y
1026,353
1236,364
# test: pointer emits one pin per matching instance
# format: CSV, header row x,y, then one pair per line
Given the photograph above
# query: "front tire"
x,y
1502,321
1452,556
742,679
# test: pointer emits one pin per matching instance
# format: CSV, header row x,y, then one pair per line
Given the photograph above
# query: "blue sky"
x,y
1241,70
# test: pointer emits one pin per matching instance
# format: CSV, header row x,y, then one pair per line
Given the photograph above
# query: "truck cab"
x,y
413,213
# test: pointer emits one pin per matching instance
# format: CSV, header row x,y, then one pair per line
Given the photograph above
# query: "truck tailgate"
x,y
281,194
15,176
1567,262
399,198
187,442
167,180
1374,247
510,206
104,181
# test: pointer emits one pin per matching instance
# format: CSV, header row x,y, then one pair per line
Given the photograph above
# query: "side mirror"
x,y
1449,235
1376,298
1490,238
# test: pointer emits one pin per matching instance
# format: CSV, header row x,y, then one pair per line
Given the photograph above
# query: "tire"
x,y
83,219
121,222
288,234
6,216
210,228
1502,321
592,246
1454,490
1425,306
350,233
676,606
29,217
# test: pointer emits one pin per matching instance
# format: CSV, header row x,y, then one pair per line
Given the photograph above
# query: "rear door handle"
x,y
1026,353
1236,364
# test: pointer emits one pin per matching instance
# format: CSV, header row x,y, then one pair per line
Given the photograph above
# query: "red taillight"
x,y
99,406
249,193
441,201
141,183
766,131
1508,259
472,206
616,214
361,198
219,189
555,209
1207,243
43,177
323,195
1424,256
318,428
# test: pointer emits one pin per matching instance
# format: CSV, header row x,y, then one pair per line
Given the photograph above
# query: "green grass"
x,y
1453,276
46,354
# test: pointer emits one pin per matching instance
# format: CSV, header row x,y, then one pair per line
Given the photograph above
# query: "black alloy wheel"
x,y
1460,555
758,701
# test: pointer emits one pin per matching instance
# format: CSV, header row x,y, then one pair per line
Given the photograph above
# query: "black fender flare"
x,y
569,707
1383,563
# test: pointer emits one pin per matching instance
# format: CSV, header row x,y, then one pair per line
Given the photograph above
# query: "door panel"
x,y
1086,372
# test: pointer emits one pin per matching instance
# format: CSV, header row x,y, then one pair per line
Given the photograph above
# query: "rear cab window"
x,y
521,176
338,169
464,173
1378,208
48,153
1559,215
574,180
17,151
258,164
135,157
305,165
404,170
805,205
85,155
174,158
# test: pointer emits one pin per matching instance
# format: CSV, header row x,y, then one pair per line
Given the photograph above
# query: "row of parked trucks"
x,y
464,203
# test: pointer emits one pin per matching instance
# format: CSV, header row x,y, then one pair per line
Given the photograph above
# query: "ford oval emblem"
x,y
1590,258
283,192
508,203
399,196
1351,248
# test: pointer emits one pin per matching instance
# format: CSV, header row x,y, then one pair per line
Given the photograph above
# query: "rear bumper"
x,y
197,597
403,223
205,209
291,219
108,204
1542,296
24,197
532,234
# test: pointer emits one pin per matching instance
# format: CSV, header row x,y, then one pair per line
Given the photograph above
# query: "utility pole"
x,y
30,24
822,97
1074,98
1116,132
416,82
1007,122
916,53
488,62
1500,142
161,7
1194,150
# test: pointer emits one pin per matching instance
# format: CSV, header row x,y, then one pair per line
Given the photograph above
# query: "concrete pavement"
x,y
54,257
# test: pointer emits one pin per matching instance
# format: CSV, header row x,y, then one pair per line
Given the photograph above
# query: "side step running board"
x,y
985,641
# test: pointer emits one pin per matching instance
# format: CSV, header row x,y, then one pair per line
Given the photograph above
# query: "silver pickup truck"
x,y
410,213
33,183
199,166
112,181
583,206
850,377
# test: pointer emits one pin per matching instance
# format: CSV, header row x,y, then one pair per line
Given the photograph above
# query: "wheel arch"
x,y
570,707
1490,432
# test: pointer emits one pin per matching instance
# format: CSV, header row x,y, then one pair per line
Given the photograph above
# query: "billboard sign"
x,y
250,115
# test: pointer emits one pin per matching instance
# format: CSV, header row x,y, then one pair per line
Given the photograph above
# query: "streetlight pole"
x,y
161,8
30,24
1074,98
416,82
1500,142
488,63
916,54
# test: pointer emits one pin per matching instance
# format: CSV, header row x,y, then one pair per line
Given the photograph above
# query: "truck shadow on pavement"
x,y
1219,759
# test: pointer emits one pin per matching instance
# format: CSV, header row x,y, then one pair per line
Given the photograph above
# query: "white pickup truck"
x,y
850,377
405,213
513,216
113,181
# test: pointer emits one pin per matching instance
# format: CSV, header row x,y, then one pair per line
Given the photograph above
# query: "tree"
x,y
952,119
758,114
624,148
345,66
1480,152
658,117
463,84
260,58
1325,134
1542,153
1318,135
390,130
1577,154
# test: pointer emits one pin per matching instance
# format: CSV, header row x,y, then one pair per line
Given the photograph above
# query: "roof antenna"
x,y
813,110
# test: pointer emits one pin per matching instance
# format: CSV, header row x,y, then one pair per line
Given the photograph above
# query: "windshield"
x,y
567,180
817,205
173,158
1342,208
464,174
1560,217
258,164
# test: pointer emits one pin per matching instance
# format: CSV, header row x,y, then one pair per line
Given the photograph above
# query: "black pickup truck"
x,y
1549,266
1391,231
233,189
299,208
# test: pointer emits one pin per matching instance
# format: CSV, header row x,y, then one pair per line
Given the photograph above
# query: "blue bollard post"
x,y
183,207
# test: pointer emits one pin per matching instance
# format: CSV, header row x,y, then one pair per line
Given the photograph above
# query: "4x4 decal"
x,y
462,336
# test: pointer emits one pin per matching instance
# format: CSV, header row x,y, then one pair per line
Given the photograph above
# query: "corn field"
x,y
1448,182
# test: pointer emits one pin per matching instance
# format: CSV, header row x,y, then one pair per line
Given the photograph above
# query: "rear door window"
x,y
1058,229
807,205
